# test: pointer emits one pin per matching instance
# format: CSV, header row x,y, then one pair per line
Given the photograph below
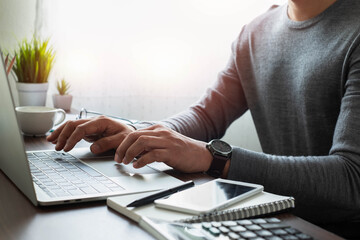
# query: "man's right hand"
x,y
104,132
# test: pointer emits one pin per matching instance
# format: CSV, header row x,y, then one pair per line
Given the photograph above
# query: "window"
x,y
143,59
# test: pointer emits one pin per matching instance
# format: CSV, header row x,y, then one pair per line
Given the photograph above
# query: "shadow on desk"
x,y
349,230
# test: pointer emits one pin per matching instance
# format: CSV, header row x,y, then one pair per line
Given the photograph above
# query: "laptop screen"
x,y
13,161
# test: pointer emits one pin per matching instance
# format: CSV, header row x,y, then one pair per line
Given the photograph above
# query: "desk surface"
x,y
19,219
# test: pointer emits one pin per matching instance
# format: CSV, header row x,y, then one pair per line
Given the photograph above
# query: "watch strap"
x,y
217,166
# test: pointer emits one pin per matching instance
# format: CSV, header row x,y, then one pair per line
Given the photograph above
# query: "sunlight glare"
x,y
161,60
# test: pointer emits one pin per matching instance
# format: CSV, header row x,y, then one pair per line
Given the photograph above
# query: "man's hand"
x,y
104,132
161,144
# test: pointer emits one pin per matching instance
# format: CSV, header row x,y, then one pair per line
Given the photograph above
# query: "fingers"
x,y
156,155
106,143
139,142
65,133
60,134
92,127
55,134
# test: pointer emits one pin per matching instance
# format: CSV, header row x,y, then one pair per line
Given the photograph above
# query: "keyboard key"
x,y
61,193
76,192
40,154
88,169
101,188
61,174
88,190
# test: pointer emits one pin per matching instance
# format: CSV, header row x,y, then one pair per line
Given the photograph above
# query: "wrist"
x,y
221,154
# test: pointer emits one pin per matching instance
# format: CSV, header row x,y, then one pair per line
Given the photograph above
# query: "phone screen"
x,y
209,196
225,191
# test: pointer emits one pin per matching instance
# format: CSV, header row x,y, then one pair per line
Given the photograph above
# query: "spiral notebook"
x,y
260,204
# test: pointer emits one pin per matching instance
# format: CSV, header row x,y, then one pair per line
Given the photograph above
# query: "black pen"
x,y
164,193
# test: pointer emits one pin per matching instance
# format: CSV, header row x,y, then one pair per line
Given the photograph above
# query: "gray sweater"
x,y
301,83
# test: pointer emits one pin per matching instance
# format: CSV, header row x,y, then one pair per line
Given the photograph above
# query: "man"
x,y
297,69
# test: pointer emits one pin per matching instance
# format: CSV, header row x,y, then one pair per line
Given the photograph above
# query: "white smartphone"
x,y
213,195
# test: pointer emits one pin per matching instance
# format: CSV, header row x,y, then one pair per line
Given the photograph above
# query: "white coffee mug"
x,y
38,120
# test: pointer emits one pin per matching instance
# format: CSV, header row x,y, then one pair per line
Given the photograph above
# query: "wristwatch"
x,y
221,152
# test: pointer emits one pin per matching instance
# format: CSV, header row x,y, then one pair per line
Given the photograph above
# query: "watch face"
x,y
221,146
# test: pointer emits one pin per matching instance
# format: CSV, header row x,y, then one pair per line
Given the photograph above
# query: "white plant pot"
x,y
62,101
32,94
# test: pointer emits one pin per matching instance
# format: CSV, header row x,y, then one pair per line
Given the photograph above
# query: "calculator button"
x,y
216,224
289,237
238,229
264,233
274,238
273,220
247,234
253,227
279,232
258,221
206,225
229,223
244,222
214,231
224,230
292,230
273,225
303,236
233,236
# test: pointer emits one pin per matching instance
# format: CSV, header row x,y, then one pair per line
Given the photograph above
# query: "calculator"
x,y
254,229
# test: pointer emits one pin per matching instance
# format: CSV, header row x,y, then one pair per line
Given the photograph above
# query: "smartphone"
x,y
211,196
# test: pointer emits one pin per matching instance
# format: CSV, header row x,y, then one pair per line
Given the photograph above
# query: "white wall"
x,y
141,59
17,19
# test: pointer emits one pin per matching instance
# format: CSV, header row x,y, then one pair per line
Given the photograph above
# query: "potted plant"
x,y
33,62
63,99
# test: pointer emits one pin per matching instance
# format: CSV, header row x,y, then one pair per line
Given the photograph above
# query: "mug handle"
x,y
62,118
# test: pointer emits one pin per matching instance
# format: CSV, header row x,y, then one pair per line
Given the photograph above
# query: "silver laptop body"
x,y
16,163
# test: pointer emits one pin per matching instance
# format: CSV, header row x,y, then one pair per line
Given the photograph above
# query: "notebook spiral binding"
x,y
240,213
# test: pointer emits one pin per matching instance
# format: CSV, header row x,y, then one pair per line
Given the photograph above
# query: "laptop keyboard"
x,y
60,174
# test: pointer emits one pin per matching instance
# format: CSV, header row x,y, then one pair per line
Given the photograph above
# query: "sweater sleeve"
x,y
328,185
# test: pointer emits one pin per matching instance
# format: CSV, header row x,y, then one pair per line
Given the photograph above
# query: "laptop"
x,y
53,178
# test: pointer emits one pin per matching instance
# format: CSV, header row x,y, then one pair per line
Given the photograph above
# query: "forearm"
x,y
330,183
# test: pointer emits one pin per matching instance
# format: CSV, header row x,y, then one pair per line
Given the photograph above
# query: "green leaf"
x,y
33,60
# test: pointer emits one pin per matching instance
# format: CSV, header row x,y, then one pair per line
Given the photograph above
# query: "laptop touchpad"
x,y
107,165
